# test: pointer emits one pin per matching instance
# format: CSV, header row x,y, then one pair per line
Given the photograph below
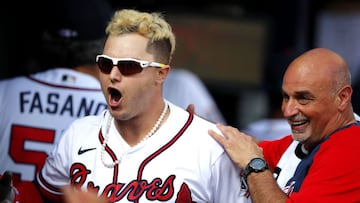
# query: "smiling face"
x,y
315,96
308,103
132,95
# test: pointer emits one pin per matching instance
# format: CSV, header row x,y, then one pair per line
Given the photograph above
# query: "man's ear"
x,y
163,73
344,97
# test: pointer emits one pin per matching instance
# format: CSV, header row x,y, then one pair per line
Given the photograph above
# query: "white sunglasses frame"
x,y
142,63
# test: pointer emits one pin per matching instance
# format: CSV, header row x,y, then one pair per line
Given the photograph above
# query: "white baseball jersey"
x,y
35,111
179,163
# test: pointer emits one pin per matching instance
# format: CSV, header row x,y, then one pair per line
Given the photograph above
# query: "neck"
x,y
155,127
135,130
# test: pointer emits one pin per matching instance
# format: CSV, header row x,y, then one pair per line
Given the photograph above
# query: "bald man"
x,y
325,137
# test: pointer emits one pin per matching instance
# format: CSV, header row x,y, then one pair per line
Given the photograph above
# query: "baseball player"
x,y
143,148
37,108
178,163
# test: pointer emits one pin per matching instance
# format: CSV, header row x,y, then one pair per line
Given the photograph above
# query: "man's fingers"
x,y
217,137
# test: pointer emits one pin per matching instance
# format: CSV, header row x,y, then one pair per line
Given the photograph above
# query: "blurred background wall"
x,y
239,48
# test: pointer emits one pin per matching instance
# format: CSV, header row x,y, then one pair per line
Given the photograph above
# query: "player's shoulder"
x,y
13,80
90,121
66,77
12,85
198,134
53,73
195,124
179,117
196,131
84,130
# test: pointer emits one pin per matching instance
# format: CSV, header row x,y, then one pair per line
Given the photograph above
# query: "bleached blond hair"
x,y
150,25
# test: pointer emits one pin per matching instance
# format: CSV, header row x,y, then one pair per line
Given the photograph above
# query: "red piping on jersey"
x,y
166,146
152,156
63,86
112,155
47,185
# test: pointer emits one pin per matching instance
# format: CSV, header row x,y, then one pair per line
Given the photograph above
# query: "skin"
x,y
141,101
316,101
72,195
317,98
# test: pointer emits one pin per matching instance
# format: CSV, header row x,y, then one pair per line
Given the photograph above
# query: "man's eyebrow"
x,y
298,93
304,93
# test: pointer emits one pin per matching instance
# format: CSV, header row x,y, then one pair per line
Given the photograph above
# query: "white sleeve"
x,y
55,172
227,182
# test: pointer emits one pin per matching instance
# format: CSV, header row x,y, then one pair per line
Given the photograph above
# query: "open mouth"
x,y
298,123
115,96
298,126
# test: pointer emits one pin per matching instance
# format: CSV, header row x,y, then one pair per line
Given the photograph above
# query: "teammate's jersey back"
x,y
35,111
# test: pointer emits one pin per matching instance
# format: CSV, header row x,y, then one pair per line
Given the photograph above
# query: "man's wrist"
x,y
256,165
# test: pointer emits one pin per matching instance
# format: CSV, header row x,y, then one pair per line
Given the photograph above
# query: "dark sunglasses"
x,y
127,66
